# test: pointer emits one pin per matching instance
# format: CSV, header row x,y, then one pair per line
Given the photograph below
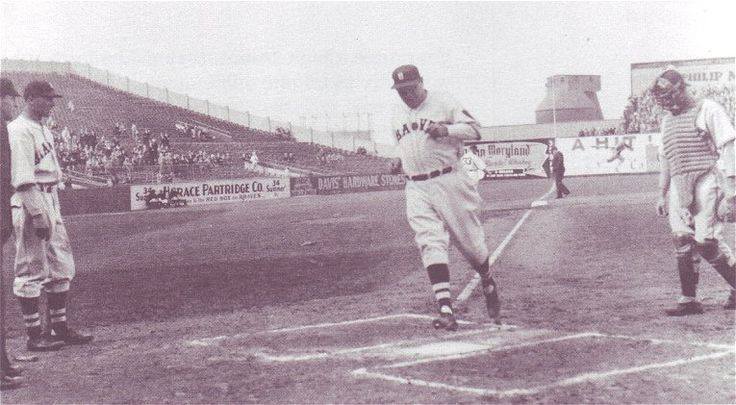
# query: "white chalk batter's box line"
x,y
376,372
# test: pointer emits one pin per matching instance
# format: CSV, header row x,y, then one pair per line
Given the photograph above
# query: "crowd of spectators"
x,y
194,132
284,134
325,157
642,114
599,131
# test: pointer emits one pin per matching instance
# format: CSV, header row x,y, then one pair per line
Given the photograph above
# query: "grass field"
x,y
323,300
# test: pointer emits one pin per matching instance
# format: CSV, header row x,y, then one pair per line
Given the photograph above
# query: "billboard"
x,y
512,159
207,192
613,154
703,75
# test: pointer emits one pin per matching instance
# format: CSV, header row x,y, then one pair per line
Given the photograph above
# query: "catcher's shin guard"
x,y
685,265
720,261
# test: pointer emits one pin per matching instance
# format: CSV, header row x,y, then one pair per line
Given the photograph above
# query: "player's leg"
x,y
459,210
683,237
61,271
710,244
29,276
433,241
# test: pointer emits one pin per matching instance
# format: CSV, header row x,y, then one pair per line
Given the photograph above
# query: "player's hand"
x,y
662,206
42,226
437,130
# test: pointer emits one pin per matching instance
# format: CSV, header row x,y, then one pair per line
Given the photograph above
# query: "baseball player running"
x,y
694,136
441,200
43,254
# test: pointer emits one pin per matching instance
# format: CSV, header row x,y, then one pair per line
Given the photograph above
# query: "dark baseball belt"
x,y
430,175
46,187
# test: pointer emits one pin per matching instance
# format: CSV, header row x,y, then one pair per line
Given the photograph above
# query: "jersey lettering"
x,y
413,126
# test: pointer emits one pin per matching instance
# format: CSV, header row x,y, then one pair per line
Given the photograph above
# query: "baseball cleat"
x,y
685,308
42,344
445,321
730,301
8,383
71,337
493,302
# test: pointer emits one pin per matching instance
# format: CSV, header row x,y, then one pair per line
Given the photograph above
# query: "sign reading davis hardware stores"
x,y
357,183
208,192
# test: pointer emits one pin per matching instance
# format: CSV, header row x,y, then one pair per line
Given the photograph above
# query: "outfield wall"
x,y
584,156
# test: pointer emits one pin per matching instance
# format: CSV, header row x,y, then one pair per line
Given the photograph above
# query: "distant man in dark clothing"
x,y
556,162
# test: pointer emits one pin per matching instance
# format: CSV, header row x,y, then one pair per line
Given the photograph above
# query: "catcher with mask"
x,y
695,136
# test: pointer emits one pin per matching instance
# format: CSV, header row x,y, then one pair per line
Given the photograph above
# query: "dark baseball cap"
x,y
405,76
39,88
7,88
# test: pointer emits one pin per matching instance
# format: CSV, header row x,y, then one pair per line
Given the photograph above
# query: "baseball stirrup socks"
x,y
439,277
57,312
31,316
484,271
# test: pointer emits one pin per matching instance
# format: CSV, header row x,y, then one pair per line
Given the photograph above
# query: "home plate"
x,y
539,203
440,349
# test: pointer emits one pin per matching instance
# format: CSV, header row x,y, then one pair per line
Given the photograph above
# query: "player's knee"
x,y
709,250
684,245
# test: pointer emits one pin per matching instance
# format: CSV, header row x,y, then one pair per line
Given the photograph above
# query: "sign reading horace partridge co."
x,y
207,192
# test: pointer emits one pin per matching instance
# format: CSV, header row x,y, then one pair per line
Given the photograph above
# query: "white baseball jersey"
x,y
33,158
446,205
420,154
474,166
39,264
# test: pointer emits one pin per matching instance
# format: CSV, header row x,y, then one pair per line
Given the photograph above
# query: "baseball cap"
x,y
39,88
7,88
405,76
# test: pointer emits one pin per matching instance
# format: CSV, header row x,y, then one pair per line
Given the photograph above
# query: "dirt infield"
x,y
323,300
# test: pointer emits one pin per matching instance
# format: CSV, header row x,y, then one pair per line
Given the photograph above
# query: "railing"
x,y
347,139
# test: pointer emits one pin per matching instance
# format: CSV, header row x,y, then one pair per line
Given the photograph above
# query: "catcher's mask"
x,y
668,90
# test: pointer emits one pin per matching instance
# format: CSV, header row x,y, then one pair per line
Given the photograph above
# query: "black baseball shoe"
x,y
730,301
8,383
43,344
11,371
71,337
445,321
493,302
685,308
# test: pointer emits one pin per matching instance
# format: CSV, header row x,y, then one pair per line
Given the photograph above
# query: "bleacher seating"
x,y
99,108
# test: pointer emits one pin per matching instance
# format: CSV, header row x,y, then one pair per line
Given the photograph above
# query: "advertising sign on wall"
x,y
207,192
513,159
704,76
613,154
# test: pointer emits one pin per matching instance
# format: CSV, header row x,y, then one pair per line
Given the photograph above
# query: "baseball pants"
x,y
39,264
704,223
442,208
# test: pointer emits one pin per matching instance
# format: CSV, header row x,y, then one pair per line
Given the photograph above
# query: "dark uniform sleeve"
x,y
6,221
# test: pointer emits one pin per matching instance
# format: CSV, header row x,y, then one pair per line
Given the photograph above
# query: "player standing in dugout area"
x,y
44,260
441,199
10,376
695,135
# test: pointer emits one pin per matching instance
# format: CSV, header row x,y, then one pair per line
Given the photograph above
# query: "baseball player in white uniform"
x,y
44,260
695,136
441,200
474,166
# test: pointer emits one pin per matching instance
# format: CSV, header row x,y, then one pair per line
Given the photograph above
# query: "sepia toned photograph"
x,y
335,202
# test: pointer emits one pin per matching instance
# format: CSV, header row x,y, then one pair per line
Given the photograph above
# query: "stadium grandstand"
x,y
106,135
